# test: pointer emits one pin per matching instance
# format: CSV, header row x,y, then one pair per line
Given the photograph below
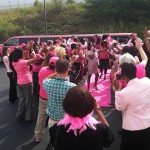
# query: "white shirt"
x,y
134,102
6,62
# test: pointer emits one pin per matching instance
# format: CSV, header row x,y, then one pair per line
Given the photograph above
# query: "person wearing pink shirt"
x,y
128,58
104,59
36,66
24,81
42,115
133,101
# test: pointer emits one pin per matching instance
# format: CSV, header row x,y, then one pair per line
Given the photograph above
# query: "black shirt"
x,y
89,139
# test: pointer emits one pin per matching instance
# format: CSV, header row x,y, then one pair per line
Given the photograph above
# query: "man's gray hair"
x,y
127,58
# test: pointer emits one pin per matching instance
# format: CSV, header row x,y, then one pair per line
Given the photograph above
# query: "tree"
x,y
70,1
36,3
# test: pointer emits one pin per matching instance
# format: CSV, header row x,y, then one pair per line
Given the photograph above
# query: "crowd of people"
x,y
51,73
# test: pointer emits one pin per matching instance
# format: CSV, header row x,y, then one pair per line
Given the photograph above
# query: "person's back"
x,y
24,80
78,129
137,100
134,103
36,66
88,140
23,72
56,89
42,116
44,73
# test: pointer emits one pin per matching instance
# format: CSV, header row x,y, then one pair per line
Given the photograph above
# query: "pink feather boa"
x,y
78,123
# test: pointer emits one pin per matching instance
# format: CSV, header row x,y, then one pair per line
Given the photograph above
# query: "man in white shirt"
x,y
134,103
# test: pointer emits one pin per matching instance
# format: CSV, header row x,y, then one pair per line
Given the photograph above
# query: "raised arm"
x,y
138,44
33,56
100,115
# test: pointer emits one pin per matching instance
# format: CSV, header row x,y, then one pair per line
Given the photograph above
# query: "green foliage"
x,y
68,17
70,1
36,3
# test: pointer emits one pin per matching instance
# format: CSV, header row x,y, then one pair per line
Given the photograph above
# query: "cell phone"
x,y
118,76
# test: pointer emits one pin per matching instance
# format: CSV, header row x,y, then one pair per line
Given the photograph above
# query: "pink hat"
x,y
44,44
53,61
22,45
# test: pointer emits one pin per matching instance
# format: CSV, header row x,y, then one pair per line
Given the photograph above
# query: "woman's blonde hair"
x,y
60,52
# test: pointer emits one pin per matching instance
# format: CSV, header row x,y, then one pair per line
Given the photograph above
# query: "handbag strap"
x,y
56,138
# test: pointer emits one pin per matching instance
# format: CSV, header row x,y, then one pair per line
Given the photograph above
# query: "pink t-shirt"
x,y
104,55
23,72
37,64
140,72
44,73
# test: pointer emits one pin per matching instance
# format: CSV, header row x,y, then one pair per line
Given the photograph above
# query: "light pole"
x,y
45,18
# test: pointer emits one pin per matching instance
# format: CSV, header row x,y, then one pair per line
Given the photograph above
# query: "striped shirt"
x,y
56,90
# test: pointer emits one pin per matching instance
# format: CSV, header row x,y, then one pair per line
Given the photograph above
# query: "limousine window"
x,y
25,40
116,37
45,39
11,42
90,38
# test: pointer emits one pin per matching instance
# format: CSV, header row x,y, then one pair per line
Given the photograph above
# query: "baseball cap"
x,y
44,44
53,61
22,45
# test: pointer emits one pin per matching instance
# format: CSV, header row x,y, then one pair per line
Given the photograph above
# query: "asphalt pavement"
x,y
16,135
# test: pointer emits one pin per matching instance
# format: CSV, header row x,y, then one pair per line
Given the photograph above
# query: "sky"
x,y
14,3
11,3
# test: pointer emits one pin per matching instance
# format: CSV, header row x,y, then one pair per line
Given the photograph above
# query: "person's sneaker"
x,y
37,140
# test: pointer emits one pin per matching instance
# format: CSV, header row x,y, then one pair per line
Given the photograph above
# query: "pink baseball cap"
x,y
44,44
22,45
53,61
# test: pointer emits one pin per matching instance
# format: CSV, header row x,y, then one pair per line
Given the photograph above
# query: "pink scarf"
x,y
78,123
